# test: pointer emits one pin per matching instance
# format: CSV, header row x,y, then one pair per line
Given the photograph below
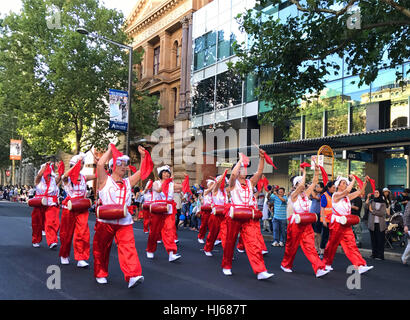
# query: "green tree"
x,y
57,80
293,56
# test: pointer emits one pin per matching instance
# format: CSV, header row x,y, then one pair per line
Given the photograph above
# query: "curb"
x,y
366,253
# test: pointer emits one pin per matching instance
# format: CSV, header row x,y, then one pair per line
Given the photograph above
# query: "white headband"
x,y
166,168
122,158
340,179
297,180
218,177
209,181
76,158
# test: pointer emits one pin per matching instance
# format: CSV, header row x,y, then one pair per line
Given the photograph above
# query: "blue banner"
x,y
118,101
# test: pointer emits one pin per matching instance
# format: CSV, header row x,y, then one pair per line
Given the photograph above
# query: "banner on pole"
x,y
118,101
15,149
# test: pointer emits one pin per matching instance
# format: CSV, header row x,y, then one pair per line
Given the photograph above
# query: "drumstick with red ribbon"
x,y
267,158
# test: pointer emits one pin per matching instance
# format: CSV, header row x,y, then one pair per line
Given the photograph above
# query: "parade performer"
x,y
341,232
220,209
302,233
205,213
46,211
74,220
163,210
242,211
115,196
148,198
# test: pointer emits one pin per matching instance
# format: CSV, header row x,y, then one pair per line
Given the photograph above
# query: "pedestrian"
x,y
241,190
279,217
406,222
404,198
325,215
114,189
205,211
315,208
389,200
74,223
302,234
377,223
340,234
356,204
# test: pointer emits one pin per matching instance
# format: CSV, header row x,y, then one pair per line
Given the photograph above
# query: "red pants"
x,y
303,235
162,226
214,225
258,235
252,246
204,224
146,223
75,225
51,224
127,253
339,234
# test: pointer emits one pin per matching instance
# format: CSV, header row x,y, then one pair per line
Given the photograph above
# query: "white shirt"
x,y
242,196
161,195
52,191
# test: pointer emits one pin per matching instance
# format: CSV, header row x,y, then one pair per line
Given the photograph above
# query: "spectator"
x,y
326,214
279,218
356,204
266,214
404,198
406,222
389,199
177,199
315,208
193,211
377,223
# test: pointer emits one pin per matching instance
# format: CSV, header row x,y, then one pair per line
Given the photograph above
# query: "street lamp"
x,y
129,48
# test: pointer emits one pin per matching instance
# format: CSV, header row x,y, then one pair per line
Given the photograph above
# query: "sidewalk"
x,y
391,254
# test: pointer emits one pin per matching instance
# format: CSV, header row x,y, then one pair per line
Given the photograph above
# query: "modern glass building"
x,y
368,127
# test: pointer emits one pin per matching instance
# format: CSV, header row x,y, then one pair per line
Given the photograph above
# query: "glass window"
x,y
333,89
199,57
224,42
353,93
270,12
337,113
250,85
228,90
358,168
313,124
287,10
210,51
358,118
156,60
203,96
386,79
335,72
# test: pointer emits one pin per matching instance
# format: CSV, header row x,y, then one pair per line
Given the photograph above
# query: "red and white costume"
x,y
75,224
301,235
214,222
148,199
49,213
119,229
243,196
205,217
340,234
163,224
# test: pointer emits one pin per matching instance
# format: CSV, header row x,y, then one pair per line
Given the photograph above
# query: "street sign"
x,y
15,149
118,101
358,156
325,159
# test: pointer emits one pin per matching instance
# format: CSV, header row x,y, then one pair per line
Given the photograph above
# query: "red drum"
x,y
305,218
244,213
206,208
159,207
79,205
111,211
349,220
37,202
218,210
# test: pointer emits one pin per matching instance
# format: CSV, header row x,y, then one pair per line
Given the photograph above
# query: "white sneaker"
x,y
201,240
217,242
239,250
150,255
227,272
101,280
43,233
173,257
146,232
134,281
286,269
64,260
264,252
363,269
281,244
264,275
209,254
82,264
176,241
275,244
36,245
159,241
53,245
321,272
329,268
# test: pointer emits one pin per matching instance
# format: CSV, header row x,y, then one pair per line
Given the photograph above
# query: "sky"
x,y
123,5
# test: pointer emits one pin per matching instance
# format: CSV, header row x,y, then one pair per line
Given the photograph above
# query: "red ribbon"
x,y
47,171
185,185
74,172
269,160
324,175
245,159
263,183
133,169
146,166
222,186
305,165
150,183
115,154
359,182
165,187
373,184
61,168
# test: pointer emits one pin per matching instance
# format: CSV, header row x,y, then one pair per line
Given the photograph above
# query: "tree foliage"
x,y
291,57
56,80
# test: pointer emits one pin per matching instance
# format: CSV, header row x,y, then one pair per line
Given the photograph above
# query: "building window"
x,y
156,60
175,100
205,50
176,55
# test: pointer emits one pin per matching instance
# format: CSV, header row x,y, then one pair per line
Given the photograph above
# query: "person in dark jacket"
x,y
406,222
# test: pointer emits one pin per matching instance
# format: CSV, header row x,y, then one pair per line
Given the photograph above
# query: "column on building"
x,y
184,53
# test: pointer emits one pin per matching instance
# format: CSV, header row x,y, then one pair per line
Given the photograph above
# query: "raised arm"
x,y
300,187
340,195
359,192
102,175
235,174
314,181
255,178
137,175
40,173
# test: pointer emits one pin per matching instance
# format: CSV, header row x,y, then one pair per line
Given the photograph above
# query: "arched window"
x,y
177,54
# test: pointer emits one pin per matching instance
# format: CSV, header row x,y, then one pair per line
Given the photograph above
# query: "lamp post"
x,y
94,35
